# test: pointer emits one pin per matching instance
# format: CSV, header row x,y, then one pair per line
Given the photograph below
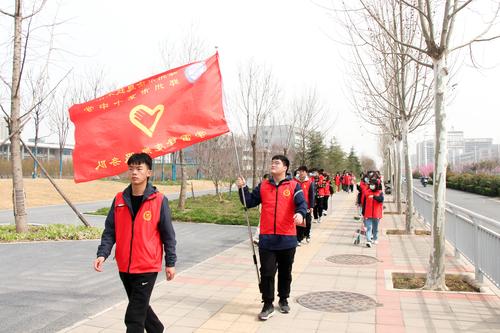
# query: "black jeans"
x,y
140,315
318,207
307,232
270,261
325,202
304,231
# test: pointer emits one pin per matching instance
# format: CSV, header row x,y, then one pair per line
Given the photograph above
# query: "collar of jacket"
x,y
150,189
287,178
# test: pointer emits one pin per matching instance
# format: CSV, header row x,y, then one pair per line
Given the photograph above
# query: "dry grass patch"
x,y
40,192
454,282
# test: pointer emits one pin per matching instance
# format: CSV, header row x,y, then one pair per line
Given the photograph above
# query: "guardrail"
x,y
474,236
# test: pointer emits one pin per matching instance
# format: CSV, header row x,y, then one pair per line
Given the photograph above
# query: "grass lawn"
x,y
49,232
209,209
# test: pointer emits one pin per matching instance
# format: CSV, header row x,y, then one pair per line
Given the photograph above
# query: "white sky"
x,y
289,36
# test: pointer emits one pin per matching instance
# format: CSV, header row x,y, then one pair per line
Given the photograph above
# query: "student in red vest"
x,y
308,189
139,223
362,187
337,182
372,212
320,194
328,192
283,208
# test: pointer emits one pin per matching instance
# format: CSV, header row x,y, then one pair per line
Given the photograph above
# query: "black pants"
x,y
140,315
318,208
325,202
304,231
282,260
307,230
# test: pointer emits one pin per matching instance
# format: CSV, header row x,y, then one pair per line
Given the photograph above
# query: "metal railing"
x,y
474,236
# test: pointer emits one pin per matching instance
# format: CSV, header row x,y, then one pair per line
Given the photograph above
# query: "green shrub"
x,y
49,232
475,183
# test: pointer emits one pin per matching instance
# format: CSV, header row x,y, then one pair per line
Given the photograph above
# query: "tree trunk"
x,y
15,150
182,195
264,158
397,178
409,179
60,163
436,274
253,143
388,176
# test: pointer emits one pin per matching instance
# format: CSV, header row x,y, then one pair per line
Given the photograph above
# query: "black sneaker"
x,y
267,311
284,307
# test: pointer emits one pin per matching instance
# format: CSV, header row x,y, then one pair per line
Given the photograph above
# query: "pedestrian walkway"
x,y
221,293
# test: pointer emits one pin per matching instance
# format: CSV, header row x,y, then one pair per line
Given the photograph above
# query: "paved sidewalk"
x,y
221,293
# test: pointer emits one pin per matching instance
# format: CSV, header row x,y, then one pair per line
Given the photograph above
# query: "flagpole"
x,y
246,213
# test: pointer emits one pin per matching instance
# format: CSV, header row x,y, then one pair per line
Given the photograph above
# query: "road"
x,y
47,286
483,205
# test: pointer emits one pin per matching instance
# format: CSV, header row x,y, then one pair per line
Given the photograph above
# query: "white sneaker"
x,y
368,244
319,220
325,213
375,242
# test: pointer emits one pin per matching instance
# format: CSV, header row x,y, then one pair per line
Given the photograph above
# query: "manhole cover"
x,y
336,301
352,259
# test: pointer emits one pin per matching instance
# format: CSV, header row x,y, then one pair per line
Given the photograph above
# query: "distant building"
x,y
425,153
278,135
4,130
456,147
461,150
45,151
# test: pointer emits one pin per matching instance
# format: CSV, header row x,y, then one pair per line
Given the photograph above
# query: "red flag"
x,y
159,115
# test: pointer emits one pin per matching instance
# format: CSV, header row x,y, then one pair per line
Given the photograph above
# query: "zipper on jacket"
x,y
275,209
132,238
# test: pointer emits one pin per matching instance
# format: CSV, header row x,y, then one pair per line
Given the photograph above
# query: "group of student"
x,y
139,224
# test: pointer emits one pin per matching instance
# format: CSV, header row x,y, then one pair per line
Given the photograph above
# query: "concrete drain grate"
x,y
336,301
352,259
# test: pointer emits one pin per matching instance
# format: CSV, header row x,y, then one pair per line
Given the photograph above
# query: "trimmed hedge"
x,y
479,184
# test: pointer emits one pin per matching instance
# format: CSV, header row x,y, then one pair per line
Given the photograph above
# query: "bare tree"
x,y
59,120
367,163
190,48
15,119
436,25
394,83
309,114
212,159
259,96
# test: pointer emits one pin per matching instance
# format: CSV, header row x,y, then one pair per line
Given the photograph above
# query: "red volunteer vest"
x,y
363,187
337,180
305,185
138,244
278,208
327,188
373,208
321,186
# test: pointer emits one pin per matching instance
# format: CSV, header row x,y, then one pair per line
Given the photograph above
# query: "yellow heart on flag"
x,y
140,113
